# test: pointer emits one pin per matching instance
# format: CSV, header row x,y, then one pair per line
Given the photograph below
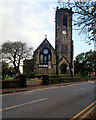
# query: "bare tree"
x,y
85,16
14,52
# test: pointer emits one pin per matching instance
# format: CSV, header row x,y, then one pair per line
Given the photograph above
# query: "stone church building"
x,y
60,59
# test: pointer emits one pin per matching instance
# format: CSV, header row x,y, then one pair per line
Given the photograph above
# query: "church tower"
x,y
63,41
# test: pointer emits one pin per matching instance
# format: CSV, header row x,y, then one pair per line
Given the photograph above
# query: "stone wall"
x,y
14,83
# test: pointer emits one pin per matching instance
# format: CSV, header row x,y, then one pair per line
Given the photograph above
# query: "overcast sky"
x,y
29,21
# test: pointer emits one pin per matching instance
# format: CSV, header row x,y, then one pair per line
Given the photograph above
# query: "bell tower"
x,y
63,40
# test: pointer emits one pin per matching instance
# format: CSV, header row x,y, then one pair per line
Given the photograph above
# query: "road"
x,y
56,102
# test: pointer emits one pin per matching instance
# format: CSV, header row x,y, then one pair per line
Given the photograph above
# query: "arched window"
x,y
41,58
66,48
65,21
45,56
49,57
62,49
45,59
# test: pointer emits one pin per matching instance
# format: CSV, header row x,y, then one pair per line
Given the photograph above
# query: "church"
x,y
59,60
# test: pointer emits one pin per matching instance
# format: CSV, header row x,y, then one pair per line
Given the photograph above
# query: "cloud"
x,y
27,22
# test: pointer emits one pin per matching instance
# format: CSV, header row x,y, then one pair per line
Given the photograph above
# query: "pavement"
x,y
34,87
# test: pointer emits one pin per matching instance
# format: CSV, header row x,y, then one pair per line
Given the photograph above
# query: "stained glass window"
x,y
41,58
45,51
45,56
49,58
45,59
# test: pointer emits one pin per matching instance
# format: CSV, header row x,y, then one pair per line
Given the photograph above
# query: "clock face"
x,y
64,32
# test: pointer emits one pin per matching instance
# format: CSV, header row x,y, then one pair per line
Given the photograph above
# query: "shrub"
x,y
54,76
3,78
31,75
38,76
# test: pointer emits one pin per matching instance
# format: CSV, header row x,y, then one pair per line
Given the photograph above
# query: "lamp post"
x,y
49,67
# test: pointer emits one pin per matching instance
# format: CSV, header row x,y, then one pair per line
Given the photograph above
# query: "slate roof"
x,y
45,43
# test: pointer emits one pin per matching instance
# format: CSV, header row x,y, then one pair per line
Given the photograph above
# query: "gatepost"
x,y
22,79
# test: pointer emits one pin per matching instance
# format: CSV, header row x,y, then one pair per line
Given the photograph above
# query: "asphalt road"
x,y
57,102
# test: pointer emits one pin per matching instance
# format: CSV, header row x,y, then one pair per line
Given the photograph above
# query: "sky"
x,y
30,20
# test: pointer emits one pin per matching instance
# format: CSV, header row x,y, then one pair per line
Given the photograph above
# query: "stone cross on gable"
x,y
45,36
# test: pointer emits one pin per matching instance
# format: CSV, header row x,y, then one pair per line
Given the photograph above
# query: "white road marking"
x,y
19,105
